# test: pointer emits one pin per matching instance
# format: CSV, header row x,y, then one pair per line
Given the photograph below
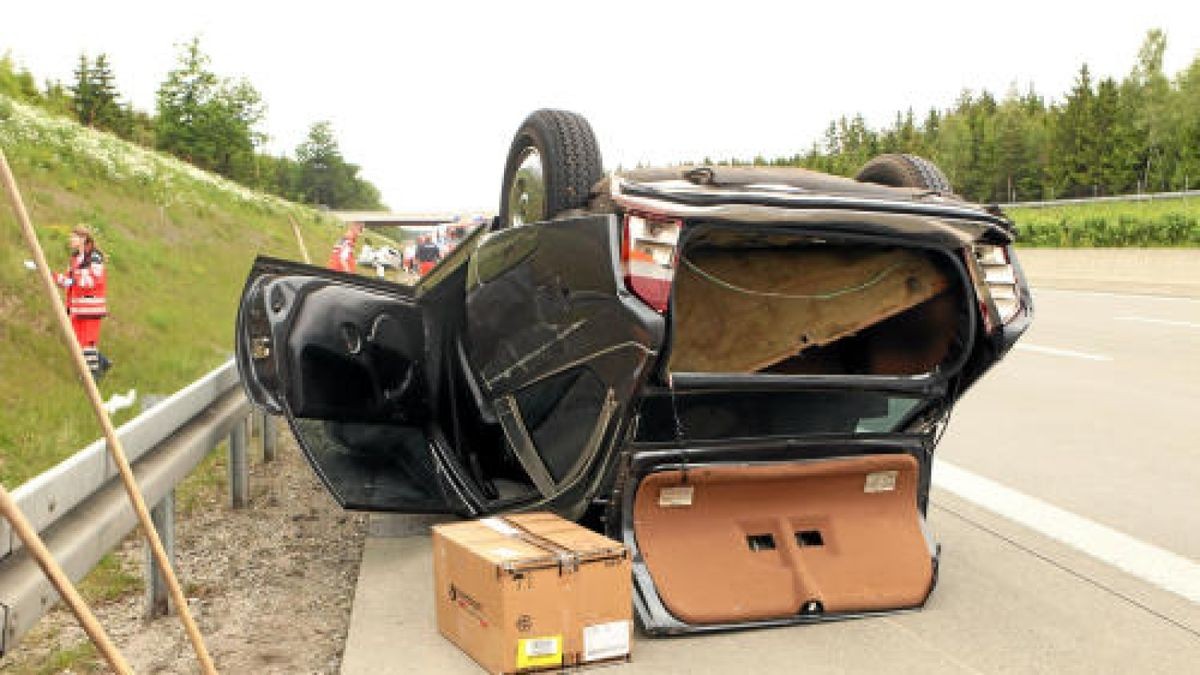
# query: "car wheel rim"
x,y
527,194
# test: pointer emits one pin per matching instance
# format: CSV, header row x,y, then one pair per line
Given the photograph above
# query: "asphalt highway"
x,y
1097,411
1065,500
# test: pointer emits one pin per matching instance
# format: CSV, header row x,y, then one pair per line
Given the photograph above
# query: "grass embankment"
x,y
1161,223
179,242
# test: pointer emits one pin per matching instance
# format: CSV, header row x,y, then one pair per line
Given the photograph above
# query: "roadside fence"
x,y
80,508
1143,197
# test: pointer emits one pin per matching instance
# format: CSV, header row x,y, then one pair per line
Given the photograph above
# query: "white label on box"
x,y
505,553
880,481
539,652
497,525
541,647
675,496
605,640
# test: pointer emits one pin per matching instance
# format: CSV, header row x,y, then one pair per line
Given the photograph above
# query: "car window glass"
x,y
721,415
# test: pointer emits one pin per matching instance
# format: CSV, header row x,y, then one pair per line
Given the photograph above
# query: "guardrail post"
x,y
238,488
269,435
163,517
89,521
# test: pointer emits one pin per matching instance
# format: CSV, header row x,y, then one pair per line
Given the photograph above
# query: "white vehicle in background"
x,y
379,256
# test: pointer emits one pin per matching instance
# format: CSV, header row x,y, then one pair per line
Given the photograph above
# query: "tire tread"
x,y
570,156
905,171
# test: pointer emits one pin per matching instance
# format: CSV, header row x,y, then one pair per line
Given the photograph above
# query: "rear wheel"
x,y
904,171
552,165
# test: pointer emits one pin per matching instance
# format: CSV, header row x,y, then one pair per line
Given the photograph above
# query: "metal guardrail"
x,y
1144,197
81,509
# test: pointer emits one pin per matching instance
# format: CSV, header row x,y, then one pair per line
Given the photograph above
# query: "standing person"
x,y
408,258
427,255
86,282
341,259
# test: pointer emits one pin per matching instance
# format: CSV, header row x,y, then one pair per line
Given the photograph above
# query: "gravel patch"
x,y
270,586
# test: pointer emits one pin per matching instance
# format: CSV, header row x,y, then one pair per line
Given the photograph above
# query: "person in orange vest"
x,y
86,281
341,259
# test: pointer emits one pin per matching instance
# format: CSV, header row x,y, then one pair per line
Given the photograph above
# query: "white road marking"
x,y
1165,569
1025,346
1104,294
1165,322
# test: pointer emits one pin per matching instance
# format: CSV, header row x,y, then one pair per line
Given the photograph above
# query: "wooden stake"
x,y
300,239
110,434
33,543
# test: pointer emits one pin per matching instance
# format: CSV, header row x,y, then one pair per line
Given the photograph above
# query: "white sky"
x,y
425,96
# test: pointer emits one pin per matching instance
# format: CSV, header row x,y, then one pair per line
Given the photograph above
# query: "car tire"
x,y
552,165
904,171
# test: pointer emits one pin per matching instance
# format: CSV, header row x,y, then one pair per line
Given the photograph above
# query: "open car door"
x,y
343,358
560,350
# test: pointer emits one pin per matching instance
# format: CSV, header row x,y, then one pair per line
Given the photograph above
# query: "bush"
x,y
1110,225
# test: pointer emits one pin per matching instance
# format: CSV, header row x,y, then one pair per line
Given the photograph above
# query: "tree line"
x,y
207,120
1139,134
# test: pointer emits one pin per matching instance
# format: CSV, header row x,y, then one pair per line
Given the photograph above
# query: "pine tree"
x,y
180,104
325,177
1072,137
1112,155
1149,92
84,92
1102,137
107,111
1012,154
321,166
1186,136
207,120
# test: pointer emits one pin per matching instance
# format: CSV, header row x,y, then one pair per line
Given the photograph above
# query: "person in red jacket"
x,y
428,254
341,259
86,281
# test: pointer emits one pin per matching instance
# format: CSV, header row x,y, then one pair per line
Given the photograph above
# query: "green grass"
x,y
179,244
1162,223
80,657
208,479
109,580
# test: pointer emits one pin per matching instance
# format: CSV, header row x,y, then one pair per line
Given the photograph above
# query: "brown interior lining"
x,y
748,310
910,343
761,542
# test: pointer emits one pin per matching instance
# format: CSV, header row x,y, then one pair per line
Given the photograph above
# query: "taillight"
x,y
648,257
1000,279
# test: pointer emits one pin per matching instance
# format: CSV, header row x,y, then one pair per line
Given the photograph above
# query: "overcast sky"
x,y
426,98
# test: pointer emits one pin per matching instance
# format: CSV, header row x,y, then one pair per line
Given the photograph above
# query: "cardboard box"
x,y
532,592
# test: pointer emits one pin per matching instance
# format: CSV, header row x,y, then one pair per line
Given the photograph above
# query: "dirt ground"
x,y
270,586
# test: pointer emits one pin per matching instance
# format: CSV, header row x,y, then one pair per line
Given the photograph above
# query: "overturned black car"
x,y
741,373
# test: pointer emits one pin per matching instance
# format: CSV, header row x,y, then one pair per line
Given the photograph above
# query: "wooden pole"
x,y
110,434
66,589
300,239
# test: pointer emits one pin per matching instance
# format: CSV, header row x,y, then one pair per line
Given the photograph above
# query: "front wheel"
x,y
552,165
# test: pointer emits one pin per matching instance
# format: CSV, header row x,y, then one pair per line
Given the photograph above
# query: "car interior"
x,y
804,306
